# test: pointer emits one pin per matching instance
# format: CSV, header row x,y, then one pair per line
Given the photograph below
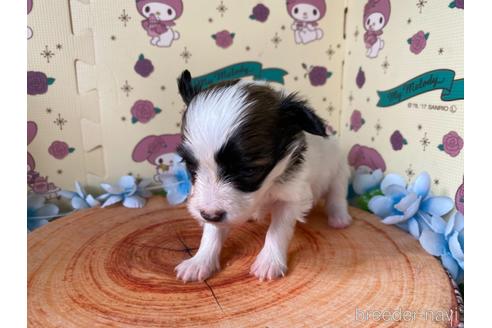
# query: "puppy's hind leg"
x,y
336,206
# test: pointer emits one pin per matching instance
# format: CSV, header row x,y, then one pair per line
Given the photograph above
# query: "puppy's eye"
x,y
147,9
380,20
169,12
191,167
296,10
160,161
315,12
368,21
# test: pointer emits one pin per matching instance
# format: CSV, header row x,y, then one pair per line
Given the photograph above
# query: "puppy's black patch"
x,y
272,128
298,113
186,89
249,154
189,159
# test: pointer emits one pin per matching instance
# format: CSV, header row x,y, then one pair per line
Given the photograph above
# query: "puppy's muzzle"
x,y
216,216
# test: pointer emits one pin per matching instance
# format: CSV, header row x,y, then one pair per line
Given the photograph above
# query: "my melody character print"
x,y
306,14
159,20
159,151
376,16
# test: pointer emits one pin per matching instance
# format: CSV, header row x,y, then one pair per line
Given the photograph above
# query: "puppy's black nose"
x,y
216,216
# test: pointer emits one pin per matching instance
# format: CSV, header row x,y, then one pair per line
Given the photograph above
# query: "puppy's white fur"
x,y
210,120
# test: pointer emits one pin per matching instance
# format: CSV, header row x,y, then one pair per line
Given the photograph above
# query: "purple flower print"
x,y
37,83
40,185
452,144
223,38
260,13
397,140
143,111
418,42
360,79
363,155
460,4
144,66
31,177
356,120
318,75
60,149
459,198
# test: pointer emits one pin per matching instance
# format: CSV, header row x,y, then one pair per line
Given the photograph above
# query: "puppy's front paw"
x,y
340,220
266,268
196,269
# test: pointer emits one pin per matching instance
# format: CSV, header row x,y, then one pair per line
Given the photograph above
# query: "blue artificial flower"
x,y
447,241
176,181
132,194
39,213
79,199
366,179
408,206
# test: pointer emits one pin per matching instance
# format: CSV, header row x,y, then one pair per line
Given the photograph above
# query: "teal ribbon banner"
x,y
440,79
240,70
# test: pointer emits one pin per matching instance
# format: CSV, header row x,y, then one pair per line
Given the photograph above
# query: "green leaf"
x,y
363,121
361,203
51,80
71,150
134,120
161,192
452,5
213,36
363,200
252,17
376,192
328,74
157,110
441,147
409,41
427,35
141,57
233,35
405,142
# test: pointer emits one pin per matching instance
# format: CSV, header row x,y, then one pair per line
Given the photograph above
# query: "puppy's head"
x,y
240,138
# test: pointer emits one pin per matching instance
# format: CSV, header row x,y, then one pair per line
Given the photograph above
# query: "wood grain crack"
x,y
188,250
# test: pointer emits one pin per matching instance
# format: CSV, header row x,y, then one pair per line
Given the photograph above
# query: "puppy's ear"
x,y
186,88
297,113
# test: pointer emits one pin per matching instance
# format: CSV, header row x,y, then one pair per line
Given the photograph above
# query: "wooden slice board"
x,y
115,268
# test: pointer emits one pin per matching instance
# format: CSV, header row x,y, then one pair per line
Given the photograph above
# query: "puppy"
x,y
252,151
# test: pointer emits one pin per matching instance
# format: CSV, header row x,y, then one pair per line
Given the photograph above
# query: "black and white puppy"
x,y
253,151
